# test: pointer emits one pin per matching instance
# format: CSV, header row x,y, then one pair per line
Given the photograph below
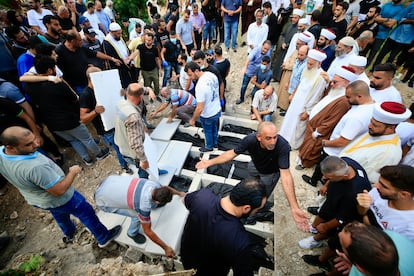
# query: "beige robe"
x,y
282,91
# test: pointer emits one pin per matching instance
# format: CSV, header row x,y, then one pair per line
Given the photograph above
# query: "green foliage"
x,y
7,4
128,8
31,265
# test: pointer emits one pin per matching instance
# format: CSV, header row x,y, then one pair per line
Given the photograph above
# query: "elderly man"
x,y
359,63
135,197
305,96
182,103
43,184
270,160
264,104
249,69
324,44
381,87
257,31
380,146
115,46
208,104
343,52
346,179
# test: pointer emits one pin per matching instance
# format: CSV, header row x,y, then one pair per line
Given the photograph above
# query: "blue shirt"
x,y
255,58
296,74
265,75
389,10
404,33
10,91
231,5
24,63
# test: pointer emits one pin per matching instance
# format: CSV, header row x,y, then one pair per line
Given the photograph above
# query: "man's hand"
x,y
99,109
324,189
169,252
301,219
325,76
75,169
117,62
304,116
169,120
202,164
191,122
144,165
284,46
342,263
322,228
364,199
152,114
54,79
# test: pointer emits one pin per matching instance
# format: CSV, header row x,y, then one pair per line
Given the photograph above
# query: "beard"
x,y
309,74
339,53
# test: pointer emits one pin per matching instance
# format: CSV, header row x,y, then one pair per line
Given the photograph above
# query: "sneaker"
x,y
282,113
88,161
127,170
308,180
138,238
309,243
161,171
239,101
159,99
234,50
113,234
313,210
314,260
149,126
312,229
186,125
142,173
204,149
103,154
299,167
67,239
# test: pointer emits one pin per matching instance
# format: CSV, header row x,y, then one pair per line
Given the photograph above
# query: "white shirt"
x,y
352,124
364,78
207,92
93,19
35,19
400,221
256,35
110,13
261,104
184,78
405,131
120,46
389,94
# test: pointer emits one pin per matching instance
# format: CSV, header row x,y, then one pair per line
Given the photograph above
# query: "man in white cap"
x,y
307,94
305,36
109,10
346,129
114,45
285,39
343,52
381,84
380,146
324,44
358,63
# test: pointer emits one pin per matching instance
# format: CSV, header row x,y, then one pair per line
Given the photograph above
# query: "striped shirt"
x,y
180,97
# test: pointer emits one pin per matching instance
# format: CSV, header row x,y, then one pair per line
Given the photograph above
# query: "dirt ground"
x,y
34,231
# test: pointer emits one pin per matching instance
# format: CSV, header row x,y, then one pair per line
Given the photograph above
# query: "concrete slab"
x,y
238,121
175,155
165,131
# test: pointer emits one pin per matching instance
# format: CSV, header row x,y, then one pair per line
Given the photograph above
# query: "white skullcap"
x,y
109,2
328,33
391,113
305,37
113,27
347,73
317,55
358,61
298,12
303,21
347,41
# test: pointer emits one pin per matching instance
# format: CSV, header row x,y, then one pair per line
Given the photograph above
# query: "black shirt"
x,y
147,56
172,51
66,23
339,28
266,161
74,64
209,10
87,100
9,114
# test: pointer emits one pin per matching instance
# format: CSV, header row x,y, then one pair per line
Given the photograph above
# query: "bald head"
x,y
266,126
359,87
11,136
303,52
165,92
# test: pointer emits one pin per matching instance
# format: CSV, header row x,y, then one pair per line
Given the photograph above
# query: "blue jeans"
x,y
81,140
80,208
245,83
108,137
210,127
230,29
168,70
267,117
209,31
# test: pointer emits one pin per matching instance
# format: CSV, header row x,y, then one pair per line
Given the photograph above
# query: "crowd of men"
x,y
342,113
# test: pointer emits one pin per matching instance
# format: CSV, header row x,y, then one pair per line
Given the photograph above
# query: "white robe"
x,y
373,153
292,45
308,93
338,62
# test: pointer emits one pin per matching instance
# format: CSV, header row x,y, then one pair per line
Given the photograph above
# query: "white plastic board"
x,y
107,87
151,152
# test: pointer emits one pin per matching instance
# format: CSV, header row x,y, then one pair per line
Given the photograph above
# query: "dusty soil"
x,y
35,232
